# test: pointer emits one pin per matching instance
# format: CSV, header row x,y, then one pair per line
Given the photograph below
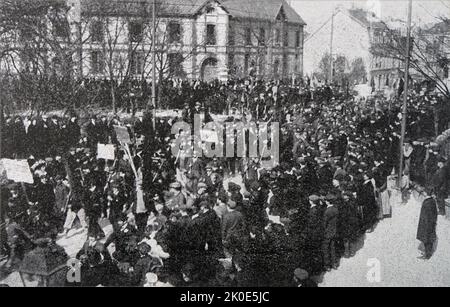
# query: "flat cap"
x,y
314,198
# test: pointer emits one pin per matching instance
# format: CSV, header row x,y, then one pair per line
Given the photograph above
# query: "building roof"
x,y
254,9
365,18
261,9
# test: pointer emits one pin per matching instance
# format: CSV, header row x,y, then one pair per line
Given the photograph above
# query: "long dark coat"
x,y
366,199
426,231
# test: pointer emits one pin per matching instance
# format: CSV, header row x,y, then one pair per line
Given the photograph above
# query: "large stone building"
x,y
196,39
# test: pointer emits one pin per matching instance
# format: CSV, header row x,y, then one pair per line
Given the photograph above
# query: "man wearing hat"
x,y
145,264
314,236
62,191
235,192
426,232
325,173
233,229
177,197
300,142
418,161
440,182
93,132
44,197
72,132
366,200
330,220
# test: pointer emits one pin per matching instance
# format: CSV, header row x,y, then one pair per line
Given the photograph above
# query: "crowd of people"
x,y
216,221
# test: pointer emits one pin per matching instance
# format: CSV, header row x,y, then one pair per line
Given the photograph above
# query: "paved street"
x,y
394,244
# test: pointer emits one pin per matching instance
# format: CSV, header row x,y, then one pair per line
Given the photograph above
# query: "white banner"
x,y
17,170
106,152
209,136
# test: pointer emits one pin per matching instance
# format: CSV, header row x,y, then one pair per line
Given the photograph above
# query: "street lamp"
x,y
44,266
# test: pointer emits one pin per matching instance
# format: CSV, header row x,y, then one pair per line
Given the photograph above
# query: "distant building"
x,y
437,44
351,39
355,32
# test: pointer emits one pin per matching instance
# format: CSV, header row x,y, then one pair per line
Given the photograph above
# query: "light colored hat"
x,y
301,274
151,278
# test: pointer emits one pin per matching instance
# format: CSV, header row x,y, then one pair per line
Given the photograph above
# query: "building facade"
x,y
436,44
355,33
195,39
350,38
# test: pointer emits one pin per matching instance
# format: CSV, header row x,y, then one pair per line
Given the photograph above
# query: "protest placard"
x,y
17,170
106,152
123,136
209,136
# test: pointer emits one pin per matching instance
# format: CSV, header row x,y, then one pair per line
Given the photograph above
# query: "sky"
x,y
316,12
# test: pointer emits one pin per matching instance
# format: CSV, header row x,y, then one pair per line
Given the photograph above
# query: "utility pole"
x,y
154,63
331,47
1,196
405,94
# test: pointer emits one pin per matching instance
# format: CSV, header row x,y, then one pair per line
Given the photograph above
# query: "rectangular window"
x,y
176,65
261,66
248,37
286,39
211,35
230,61
231,36
174,33
262,37
97,32
297,39
285,65
137,63
97,62
136,31
277,37
246,63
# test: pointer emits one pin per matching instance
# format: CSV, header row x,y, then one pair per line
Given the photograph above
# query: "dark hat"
x,y
223,197
59,177
233,187
330,197
442,159
254,186
144,248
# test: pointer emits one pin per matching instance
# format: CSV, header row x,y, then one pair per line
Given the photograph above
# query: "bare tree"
x,y
40,47
429,53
